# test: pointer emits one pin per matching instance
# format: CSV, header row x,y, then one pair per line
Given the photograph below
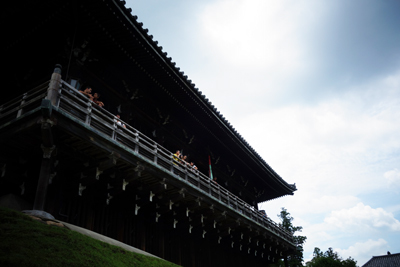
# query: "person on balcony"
x,y
183,160
87,92
177,156
263,213
96,100
118,122
193,167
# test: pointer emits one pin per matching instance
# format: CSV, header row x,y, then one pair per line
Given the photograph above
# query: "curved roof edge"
x,y
168,60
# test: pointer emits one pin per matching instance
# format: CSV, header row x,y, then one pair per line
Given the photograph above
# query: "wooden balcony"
x,y
138,166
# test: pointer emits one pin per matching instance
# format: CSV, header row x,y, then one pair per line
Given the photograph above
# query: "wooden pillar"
x,y
142,234
121,228
47,160
193,253
161,242
47,139
179,250
90,218
43,182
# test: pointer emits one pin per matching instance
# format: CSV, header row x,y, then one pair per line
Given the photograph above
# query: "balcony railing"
x,y
81,108
27,103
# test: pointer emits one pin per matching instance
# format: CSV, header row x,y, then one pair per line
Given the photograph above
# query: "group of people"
x,y
95,97
178,157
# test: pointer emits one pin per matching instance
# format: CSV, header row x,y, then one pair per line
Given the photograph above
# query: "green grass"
x,y
26,242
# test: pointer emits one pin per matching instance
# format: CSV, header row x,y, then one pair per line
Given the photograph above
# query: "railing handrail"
x,y
29,93
108,125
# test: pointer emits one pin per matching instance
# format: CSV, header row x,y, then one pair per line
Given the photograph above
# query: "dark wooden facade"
x,y
64,154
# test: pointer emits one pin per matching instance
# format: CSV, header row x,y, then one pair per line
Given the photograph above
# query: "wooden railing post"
x,y
89,114
156,153
137,142
172,163
54,86
115,128
20,111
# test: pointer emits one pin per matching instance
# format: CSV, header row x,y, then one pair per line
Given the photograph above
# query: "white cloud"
x,y
392,81
347,226
341,145
335,152
305,204
309,211
253,49
361,218
257,33
393,177
338,221
363,251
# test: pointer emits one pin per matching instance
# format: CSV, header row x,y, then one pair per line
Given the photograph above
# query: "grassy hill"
x,y
26,242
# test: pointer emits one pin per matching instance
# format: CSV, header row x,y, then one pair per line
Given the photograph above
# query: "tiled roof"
x,y
390,260
168,60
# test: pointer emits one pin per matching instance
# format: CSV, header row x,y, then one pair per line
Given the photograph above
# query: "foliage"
x,y
330,258
297,258
25,242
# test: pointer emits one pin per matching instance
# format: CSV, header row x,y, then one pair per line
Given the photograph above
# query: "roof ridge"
x,y
387,255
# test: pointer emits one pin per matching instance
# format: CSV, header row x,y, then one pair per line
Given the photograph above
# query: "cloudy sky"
x,y
314,87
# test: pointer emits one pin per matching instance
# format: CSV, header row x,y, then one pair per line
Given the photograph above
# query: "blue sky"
x,y
314,87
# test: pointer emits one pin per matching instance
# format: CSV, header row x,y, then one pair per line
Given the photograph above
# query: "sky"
x,y
314,87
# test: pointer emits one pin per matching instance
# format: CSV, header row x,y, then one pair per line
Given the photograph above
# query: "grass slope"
x,y
25,242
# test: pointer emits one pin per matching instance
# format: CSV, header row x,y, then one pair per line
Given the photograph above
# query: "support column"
x,y
48,148
43,182
47,138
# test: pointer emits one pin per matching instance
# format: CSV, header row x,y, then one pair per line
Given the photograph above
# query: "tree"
x,y
297,258
330,259
317,253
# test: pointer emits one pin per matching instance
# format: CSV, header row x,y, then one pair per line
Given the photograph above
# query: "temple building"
x,y
65,154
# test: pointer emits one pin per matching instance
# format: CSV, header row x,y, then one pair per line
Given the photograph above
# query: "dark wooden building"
x,y
69,157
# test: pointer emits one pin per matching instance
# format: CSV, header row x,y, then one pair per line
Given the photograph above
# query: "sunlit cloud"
x,y
299,140
254,49
393,178
362,218
258,34
363,251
